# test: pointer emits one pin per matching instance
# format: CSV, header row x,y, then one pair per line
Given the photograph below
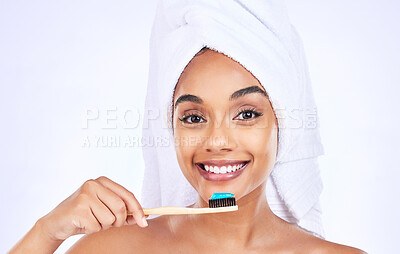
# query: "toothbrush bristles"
x,y
222,202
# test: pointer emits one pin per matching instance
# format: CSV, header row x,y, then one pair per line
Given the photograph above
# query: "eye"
x,y
191,119
248,114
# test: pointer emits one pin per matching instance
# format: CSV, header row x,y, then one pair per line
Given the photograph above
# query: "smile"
x,y
222,170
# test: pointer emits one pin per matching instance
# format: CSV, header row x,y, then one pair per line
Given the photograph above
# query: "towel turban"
x,y
258,35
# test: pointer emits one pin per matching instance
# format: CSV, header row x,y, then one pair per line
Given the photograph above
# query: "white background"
x,y
60,58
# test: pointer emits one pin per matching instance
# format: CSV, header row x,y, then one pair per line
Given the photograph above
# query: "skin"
x,y
254,228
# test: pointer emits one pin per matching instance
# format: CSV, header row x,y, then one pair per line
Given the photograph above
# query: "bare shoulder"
x,y
317,245
125,239
328,247
305,242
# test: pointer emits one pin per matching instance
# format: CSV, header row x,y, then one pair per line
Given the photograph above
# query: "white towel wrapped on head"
x,y
259,36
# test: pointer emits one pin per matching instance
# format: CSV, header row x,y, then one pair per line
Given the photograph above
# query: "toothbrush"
x,y
218,203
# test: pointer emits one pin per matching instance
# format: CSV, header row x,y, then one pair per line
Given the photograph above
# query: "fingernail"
x,y
144,222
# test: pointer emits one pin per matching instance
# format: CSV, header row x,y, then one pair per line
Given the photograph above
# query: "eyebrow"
x,y
239,93
247,90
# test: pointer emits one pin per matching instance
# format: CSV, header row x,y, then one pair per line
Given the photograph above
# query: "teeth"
x,y
223,169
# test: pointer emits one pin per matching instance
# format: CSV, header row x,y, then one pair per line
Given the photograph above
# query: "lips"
x,y
221,165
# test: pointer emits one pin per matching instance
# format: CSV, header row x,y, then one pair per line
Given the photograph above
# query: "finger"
x,y
130,200
103,214
91,224
114,203
130,220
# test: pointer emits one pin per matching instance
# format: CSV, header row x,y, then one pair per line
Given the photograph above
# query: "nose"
x,y
220,138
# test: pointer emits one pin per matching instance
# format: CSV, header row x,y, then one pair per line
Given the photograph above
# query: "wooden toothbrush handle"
x,y
170,210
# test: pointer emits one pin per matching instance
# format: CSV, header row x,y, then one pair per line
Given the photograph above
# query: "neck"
x,y
253,220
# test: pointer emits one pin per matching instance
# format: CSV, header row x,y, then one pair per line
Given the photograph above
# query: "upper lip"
x,y
220,163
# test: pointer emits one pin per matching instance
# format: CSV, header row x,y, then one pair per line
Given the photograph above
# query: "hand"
x,y
97,205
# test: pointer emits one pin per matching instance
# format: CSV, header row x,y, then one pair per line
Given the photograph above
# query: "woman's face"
x,y
222,119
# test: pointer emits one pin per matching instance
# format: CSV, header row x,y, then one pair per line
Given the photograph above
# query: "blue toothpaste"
x,y
222,195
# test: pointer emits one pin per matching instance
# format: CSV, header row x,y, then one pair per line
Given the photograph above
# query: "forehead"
x,y
212,74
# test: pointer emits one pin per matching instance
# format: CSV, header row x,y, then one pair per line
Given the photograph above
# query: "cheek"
x,y
259,141
187,141
186,144
262,144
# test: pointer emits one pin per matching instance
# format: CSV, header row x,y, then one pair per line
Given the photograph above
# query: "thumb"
x,y
131,221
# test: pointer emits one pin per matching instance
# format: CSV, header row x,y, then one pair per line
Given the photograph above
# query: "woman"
x,y
248,129
222,117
